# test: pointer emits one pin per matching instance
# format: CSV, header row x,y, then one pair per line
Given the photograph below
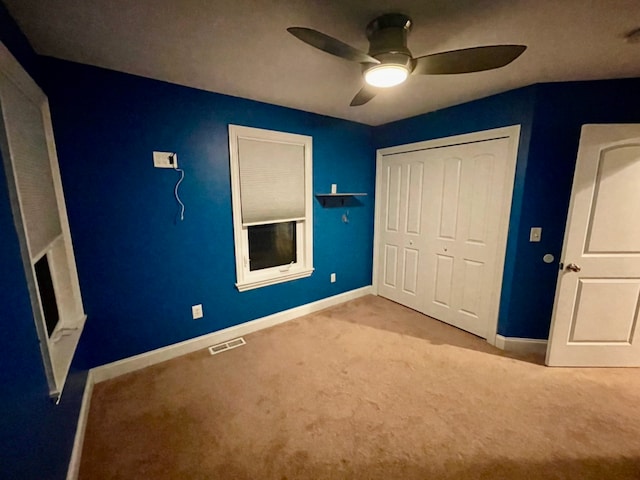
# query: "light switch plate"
x,y
536,234
165,159
196,311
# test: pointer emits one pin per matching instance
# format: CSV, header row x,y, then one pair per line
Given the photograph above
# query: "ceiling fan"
x,y
389,62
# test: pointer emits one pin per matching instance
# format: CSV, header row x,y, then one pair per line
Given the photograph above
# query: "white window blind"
x,y
32,169
272,181
37,203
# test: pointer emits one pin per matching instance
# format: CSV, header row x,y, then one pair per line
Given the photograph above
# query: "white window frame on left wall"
x,y
16,85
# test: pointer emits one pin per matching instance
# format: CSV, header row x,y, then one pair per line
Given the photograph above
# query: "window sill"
x,y
61,353
264,282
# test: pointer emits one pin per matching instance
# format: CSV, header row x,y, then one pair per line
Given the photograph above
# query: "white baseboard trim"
x,y
78,441
521,345
137,362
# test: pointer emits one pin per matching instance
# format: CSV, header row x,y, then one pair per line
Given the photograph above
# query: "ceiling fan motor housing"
x,y
387,37
389,61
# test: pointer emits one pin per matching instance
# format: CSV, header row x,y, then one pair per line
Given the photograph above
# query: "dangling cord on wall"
x,y
175,190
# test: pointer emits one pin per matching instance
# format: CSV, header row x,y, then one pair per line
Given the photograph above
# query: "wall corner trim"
x,y
521,345
78,441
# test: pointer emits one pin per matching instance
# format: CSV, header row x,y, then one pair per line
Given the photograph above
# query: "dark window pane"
x,y
272,245
47,294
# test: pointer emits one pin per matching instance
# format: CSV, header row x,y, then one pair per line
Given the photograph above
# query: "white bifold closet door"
x,y
442,229
402,246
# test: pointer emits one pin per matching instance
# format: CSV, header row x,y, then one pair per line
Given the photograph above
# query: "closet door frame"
x,y
513,134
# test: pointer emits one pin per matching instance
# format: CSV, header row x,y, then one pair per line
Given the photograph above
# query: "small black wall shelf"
x,y
323,197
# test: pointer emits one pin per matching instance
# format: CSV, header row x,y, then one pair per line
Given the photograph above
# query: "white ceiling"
x,y
242,48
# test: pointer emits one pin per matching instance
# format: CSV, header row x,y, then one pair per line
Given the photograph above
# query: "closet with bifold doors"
x,y
442,217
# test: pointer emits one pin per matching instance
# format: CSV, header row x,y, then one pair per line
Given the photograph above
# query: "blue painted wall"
x,y
140,270
560,111
36,436
511,108
551,116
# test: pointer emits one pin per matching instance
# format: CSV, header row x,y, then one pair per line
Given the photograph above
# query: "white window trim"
x,y
58,348
246,279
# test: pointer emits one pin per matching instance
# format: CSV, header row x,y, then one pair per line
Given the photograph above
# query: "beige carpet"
x,y
365,390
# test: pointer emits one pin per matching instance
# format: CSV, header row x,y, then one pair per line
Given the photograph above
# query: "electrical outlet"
x,y
333,278
196,311
165,160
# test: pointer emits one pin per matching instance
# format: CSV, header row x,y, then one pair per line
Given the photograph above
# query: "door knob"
x,y
572,267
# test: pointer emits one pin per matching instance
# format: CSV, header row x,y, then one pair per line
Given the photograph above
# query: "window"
x,y
37,201
272,210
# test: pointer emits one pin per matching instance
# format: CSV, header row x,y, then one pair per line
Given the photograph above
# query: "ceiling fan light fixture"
x,y
385,75
389,62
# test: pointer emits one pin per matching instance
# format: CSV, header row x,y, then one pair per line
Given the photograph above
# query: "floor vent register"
x,y
223,347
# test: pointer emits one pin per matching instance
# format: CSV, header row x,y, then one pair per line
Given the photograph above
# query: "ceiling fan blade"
x,y
330,45
467,60
365,94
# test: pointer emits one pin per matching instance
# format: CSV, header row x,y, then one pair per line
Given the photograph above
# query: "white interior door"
x,y
442,222
401,233
597,302
464,205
